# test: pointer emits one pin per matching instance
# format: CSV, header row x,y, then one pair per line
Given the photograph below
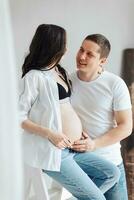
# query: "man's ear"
x,y
103,61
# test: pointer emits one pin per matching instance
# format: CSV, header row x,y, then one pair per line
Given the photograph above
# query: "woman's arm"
x,y
58,139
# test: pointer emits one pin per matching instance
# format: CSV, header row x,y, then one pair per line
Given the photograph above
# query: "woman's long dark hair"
x,y
47,47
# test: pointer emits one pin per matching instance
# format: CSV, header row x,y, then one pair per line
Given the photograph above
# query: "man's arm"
x,y
123,130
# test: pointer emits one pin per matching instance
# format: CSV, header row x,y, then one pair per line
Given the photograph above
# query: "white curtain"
x,y
16,181
11,182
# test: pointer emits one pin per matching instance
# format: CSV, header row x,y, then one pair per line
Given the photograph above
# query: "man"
x,y
102,101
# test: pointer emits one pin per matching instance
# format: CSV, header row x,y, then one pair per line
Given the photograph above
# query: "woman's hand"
x,y
59,140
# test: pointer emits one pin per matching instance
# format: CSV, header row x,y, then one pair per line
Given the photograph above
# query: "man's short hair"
x,y
103,43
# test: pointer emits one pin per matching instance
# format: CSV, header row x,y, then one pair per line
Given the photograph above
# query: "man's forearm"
x,y
113,136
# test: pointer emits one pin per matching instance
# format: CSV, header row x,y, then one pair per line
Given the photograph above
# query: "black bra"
x,y
62,92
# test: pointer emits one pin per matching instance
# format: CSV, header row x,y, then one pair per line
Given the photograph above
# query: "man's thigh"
x,y
102,172
119,191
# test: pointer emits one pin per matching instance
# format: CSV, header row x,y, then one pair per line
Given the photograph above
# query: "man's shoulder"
x,y
115,82
111,74
112,77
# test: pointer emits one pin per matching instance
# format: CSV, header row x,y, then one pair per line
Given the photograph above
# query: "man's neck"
x,y
89,76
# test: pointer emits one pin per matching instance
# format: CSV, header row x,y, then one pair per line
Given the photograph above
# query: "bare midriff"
x,y
71,124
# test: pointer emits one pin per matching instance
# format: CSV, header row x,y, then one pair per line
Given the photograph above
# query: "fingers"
x,y
62,145
84,145
80,145
79,148
67,142
64,142
77,142
85,134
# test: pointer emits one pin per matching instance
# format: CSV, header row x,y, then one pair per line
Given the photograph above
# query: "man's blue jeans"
x,y
76,170
119,190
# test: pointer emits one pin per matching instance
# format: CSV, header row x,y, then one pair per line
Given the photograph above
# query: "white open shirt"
x,y
39,102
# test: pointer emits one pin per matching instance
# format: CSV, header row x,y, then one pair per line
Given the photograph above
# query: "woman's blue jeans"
x,y
85,175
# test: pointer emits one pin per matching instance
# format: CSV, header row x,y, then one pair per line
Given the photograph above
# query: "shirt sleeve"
x,y
121,99
28,95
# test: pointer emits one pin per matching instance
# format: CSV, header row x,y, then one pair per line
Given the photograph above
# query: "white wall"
x,y
113,18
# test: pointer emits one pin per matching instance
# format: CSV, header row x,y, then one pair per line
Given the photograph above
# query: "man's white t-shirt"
x,y
95,102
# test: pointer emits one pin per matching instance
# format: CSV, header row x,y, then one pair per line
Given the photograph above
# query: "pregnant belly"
x,y
71,124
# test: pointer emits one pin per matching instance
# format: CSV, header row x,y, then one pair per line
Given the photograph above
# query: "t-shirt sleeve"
x,y
121,98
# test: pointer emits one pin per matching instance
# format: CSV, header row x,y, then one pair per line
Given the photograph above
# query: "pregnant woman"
x,y
51,125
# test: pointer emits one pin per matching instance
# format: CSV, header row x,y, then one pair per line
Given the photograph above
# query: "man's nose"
x,y
83,56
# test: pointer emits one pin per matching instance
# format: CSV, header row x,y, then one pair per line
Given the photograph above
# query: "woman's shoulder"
x,y
39,77
34,73
35,77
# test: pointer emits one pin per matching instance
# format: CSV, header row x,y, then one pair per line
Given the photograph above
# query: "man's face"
x,y
88,57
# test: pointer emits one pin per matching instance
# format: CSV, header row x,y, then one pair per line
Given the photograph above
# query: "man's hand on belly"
x,y
84,144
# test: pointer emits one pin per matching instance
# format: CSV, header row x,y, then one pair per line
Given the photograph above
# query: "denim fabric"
x,y
76,168
119,190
